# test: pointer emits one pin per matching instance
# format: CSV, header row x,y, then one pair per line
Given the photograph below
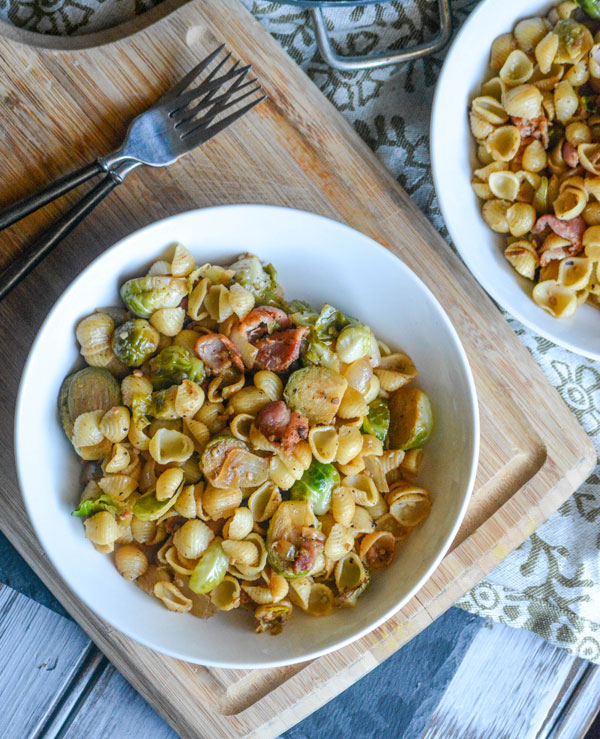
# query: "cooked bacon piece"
x,y
570,154
262,321
173,523
571,230
277,351
556,252
536,127
307,556
218,352
282,427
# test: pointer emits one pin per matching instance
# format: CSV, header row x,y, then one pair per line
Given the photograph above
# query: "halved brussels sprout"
x,y
144,295
411,418
89,506
286,535
134,342
354,342
210,570
260,281
574,40
316,486
90,389
215,452
316,392
148,508
325,327
377,421
272,617
173,365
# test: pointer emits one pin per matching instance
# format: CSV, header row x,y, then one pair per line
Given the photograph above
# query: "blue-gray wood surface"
x,y
461,677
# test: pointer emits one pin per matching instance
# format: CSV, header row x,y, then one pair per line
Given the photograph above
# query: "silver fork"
x,y
180,121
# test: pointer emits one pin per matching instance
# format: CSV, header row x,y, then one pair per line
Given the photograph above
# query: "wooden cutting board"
x,y
62,104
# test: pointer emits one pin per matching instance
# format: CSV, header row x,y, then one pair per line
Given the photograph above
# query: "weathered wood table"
x,y
462,677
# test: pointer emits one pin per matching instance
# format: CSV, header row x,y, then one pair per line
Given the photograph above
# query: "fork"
x,y
157,137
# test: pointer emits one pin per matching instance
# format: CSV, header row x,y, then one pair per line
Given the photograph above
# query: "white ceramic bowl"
x,y
453,158
318,260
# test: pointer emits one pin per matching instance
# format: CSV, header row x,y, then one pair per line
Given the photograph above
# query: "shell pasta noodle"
x,y
241,450
536,121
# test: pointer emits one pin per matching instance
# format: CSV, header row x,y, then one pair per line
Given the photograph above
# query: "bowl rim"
x,y
435,159
472,410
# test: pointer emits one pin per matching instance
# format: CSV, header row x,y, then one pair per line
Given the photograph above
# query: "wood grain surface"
x,y
60,108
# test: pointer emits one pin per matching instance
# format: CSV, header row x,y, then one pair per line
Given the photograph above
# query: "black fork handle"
x,y
24,263
54,190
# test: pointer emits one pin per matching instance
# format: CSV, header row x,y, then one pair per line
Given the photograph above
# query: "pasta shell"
x,y
143,531
494,214
168,483
409,505
490,109
185,504
173,560
323,441
353,404
259,594
239,525
226,595
270,384
170,446
192,539
349,573
504,185
169,321
523,258
575,272
412,462
339,542
241,552
189,398
320,600
183,262
252,572
86,429
94,332
240,300
118,486
151,577
130,561
172,597
389,523
161,267
199,432
529,32
343,506
240,426
362,522
101,528
503,143
300,591
501,48
134,385
118,460
350,443
377,549
248,400
186,338
517,69
196,300
264,501
220,502
115,424
555,299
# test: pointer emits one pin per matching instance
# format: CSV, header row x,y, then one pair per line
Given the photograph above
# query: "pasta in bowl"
x,y
513,156
246,456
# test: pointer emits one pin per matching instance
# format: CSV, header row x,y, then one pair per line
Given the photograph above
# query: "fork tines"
x,y
219,91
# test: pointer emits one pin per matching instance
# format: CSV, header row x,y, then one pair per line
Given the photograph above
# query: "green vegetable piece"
x,y
411,418
210,570
89,506
591,7
589,101
215,452
574,40
316,392
377,421
320,353
134,342
173,365
540,199
331,321
354,342
144,295
287,524
316,486
260,281
148,508
90,389
555,134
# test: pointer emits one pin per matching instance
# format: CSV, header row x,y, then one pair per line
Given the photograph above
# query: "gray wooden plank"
x,y
505,687
111,708
584,705
41,652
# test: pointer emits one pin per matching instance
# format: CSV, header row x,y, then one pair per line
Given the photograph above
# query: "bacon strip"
x,y
277,351
282,427
262,321
570,154
536,127
571,230
218,353
307,556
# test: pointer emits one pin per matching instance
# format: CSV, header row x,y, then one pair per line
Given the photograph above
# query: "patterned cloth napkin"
x,y
551,584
